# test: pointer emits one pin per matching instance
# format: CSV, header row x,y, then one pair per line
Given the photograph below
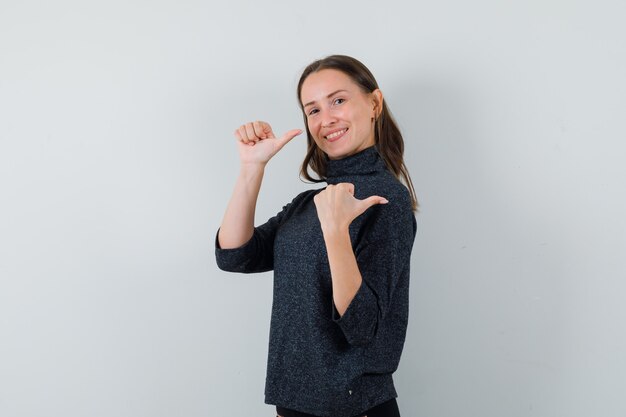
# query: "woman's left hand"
x,y
337,207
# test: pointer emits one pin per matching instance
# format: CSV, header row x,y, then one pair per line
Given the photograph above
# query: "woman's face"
x,y
339,114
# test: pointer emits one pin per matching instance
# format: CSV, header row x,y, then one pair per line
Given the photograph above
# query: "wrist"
x,y
252,167
335,231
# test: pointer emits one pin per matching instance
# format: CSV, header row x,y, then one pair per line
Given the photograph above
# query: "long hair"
x,y
387,136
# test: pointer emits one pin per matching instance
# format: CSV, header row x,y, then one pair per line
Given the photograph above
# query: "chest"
x,y
299,245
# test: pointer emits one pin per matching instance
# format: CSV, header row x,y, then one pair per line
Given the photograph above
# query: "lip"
x,y
338,137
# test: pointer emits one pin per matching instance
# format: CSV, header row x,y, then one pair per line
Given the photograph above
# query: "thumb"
x,y
372,201
288,136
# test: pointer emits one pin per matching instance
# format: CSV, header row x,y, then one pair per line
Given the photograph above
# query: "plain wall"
x,y
117,160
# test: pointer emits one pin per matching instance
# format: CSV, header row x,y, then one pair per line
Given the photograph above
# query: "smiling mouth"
x,y
336,135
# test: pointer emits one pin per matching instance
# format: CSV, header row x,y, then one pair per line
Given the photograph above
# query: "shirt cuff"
x,y
234,259
360,320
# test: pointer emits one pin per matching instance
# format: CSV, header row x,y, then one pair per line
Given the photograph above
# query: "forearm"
x,y
238,223
344,270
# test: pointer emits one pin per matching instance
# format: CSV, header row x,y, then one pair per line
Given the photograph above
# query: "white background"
x,y
117,160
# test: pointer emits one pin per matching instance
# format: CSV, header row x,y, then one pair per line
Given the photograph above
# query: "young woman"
x,y
340,255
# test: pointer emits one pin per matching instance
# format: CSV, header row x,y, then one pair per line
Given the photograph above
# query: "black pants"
x,y
386,409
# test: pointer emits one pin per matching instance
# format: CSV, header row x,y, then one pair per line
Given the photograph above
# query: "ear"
x,y
377,102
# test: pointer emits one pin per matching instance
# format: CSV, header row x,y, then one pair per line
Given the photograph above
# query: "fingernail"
x,y
384,201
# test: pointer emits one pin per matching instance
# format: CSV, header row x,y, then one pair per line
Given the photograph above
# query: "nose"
x,y
327,118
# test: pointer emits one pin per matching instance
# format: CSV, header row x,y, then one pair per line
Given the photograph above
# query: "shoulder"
x,y
303,197
307,194
386,185
299,203
394,220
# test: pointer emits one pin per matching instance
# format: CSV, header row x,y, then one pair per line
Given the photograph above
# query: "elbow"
x,y
224,266
227,261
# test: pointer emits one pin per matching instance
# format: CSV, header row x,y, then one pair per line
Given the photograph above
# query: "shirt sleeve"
x,y
257,254
383,256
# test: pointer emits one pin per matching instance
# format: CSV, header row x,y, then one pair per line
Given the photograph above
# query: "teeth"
x,y
334,135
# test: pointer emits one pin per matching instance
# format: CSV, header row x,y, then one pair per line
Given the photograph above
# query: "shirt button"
x,y
350,392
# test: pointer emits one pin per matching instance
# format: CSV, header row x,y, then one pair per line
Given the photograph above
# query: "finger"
x,y
258,129
372,201
348,186
250,132
243,136
288,136
262,129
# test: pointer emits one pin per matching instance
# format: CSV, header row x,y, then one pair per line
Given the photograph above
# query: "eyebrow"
x,y
328,96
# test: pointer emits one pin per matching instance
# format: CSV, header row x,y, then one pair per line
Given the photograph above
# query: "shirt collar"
x,y
363,162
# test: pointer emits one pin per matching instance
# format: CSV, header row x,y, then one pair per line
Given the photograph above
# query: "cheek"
x,y
313,130
313,126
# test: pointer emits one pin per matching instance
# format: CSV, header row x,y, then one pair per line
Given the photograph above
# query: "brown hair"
x,y
387,136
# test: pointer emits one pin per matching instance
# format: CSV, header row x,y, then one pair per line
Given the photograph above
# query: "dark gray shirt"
x,y
320,362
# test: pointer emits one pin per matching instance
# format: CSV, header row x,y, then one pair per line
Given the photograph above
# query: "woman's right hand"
x,y
257,144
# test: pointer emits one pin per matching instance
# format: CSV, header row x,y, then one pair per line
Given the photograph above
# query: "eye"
x,y
312,111
338,101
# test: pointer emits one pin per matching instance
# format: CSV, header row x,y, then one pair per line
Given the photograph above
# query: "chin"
x,y
338,155
334,156
339,152
333,153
